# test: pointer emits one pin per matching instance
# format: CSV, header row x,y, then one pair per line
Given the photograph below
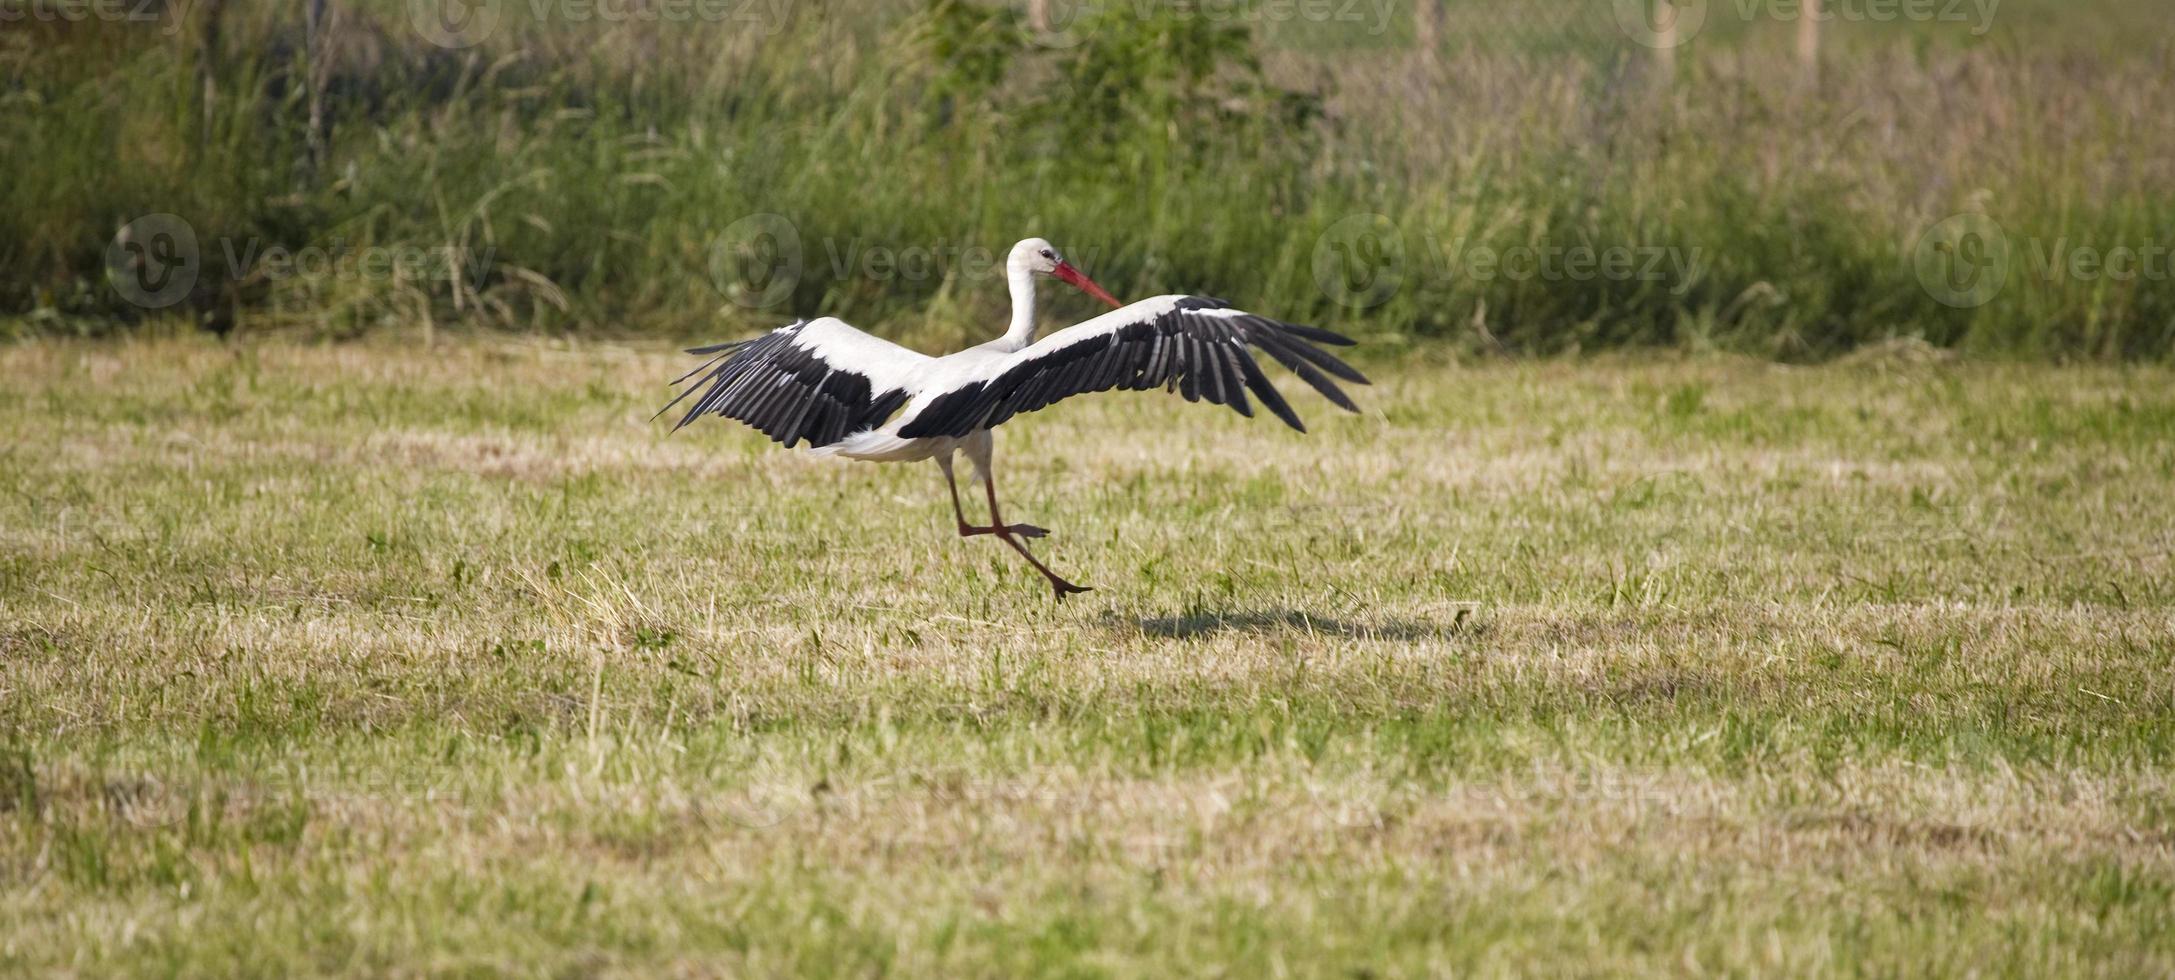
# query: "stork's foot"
x,y
1063,588
1014,530
1010,534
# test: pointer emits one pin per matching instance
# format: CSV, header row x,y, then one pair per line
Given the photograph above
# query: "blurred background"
x,y
1788,180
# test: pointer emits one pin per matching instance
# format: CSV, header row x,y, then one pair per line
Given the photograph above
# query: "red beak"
x,y
1081,282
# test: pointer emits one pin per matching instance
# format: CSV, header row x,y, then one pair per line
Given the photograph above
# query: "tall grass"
x,y
588,176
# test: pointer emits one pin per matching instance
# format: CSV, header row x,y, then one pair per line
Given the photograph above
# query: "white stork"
x,y
846,393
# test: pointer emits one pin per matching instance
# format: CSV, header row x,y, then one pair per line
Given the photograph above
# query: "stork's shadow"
x,y
1194,625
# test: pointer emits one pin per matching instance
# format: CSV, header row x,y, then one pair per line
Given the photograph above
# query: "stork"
x,y
846,393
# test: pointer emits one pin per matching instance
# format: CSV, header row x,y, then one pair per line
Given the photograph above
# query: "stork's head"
x,y
1038,257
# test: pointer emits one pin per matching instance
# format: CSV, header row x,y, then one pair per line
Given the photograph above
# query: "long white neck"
x,y
1022,281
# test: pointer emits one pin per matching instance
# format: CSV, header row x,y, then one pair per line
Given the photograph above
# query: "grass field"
x,y
371,658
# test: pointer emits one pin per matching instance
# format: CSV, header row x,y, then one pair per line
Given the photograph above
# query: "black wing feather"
x,y
1285,355
1196,348
1227,355
785,391
1267,392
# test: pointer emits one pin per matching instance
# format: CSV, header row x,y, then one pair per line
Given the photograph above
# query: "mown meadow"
x,y
1752,558
366,658
1525,177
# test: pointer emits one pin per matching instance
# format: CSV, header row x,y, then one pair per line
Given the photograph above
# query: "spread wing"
x,y
1190,344
815,381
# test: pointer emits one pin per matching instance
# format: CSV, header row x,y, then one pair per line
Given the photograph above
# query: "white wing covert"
x,y
815,381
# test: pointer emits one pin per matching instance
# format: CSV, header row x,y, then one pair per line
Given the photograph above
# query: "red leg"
x,y
1058,585
959,513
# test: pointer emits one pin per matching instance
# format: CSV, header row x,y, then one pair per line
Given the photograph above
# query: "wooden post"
x,y
1427,28
207,66
1808,39
318,73
1664,21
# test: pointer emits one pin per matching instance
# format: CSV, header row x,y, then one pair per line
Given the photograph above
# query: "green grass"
x,y
589,176
368,658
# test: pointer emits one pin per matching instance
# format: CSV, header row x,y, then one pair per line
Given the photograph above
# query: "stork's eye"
x,y
1052,256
